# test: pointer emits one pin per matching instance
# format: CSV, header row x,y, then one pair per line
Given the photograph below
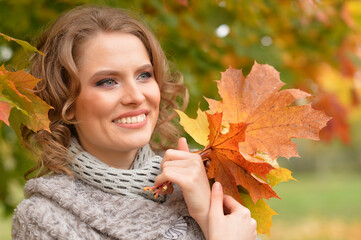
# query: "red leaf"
x,y
229,167
5,109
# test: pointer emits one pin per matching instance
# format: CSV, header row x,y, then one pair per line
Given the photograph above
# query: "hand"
x,y
228,219
187,171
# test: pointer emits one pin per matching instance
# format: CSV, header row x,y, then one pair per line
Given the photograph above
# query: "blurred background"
x,y
314,44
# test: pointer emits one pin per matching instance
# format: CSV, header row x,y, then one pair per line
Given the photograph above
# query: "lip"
x,y
132,114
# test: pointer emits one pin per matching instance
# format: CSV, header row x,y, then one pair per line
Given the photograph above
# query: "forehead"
x,y
112,48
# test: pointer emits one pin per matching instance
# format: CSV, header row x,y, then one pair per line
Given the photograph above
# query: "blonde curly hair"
x,y
60,87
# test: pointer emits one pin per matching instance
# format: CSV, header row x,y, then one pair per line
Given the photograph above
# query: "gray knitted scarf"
x,y
130,183
142,173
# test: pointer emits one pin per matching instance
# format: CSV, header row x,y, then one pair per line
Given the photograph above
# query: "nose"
x,y
132,94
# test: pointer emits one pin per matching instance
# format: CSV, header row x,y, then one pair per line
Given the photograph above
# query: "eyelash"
x,y
103,81
106,80
148,75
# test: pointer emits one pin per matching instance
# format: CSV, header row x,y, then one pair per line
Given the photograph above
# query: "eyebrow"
x,y
117,73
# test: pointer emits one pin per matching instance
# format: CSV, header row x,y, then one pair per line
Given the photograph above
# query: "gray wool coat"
x,y
62,207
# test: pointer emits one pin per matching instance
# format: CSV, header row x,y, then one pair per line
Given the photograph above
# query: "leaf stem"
x,y
156,190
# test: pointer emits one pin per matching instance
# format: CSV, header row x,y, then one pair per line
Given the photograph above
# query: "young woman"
x,y
109,83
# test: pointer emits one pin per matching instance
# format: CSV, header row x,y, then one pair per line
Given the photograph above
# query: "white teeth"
x,y
131,120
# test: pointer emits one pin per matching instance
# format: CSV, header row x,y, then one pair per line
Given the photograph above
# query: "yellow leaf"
x,y
196,128
260,212
278,175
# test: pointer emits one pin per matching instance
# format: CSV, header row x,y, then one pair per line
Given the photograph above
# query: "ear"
x,y
70,114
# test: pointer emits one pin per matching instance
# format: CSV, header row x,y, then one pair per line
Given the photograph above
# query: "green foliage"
x,y
27,47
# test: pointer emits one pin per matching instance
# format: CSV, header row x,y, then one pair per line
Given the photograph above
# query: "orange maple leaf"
x,y
272,118
19,106
229,167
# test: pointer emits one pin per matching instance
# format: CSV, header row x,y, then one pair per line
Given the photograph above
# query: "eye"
x,y
108,82
144,76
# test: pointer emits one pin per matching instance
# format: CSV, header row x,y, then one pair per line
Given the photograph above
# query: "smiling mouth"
x,y
131,120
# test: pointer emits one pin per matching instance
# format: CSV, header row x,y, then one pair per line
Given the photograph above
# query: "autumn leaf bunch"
x,y
247,131
19,106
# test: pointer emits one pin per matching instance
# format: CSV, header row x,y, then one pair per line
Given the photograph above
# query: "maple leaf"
x,y
229,167
237,175
260,212
18,103
271,118
248,130
278,175
198,127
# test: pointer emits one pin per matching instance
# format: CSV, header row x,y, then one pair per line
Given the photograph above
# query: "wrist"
x,y
203,224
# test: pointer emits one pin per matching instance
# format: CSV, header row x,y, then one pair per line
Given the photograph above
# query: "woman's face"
x,y
117,108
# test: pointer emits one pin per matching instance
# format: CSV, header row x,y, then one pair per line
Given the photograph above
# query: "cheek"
x,y
152,95
90,105
156,98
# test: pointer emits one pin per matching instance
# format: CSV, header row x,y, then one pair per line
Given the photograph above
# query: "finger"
x,y
182,144
174,155
231,205
172,174
216,207
188,163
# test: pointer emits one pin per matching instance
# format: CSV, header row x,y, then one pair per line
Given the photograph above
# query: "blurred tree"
x,y
315,46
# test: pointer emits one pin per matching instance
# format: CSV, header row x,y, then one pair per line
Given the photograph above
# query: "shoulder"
x,y
41,192
33,217
49,184
36,216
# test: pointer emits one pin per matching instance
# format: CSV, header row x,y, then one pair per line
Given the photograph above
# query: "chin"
x,y
137,143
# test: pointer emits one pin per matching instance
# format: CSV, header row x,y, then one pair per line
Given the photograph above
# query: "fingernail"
x,y
217,186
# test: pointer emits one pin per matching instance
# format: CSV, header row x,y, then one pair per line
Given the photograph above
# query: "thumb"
x,y
216,207
182,144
